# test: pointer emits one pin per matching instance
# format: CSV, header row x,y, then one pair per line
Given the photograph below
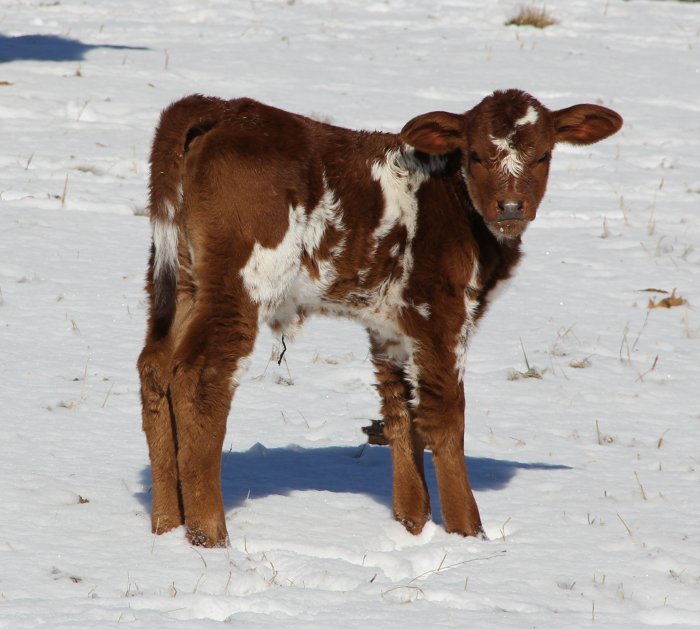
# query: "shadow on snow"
x,y
48,48
365,469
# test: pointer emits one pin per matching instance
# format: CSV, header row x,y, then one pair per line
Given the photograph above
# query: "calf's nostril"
x,y
510,207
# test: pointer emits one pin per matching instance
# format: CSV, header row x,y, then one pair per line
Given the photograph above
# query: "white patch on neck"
x,y
399,177
530,117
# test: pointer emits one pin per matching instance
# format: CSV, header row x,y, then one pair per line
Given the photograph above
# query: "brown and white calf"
x,y
260,215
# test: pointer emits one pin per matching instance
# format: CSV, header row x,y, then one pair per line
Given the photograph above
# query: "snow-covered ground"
x,y
588,479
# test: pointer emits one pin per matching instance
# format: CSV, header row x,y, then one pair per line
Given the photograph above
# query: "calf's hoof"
x,y
209,537
414,525
469,531
163,523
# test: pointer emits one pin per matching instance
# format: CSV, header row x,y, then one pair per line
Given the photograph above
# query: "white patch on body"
x,y
399,176
412,372
165,237
470,307
423,310
274,277
241,368
286,292
268,274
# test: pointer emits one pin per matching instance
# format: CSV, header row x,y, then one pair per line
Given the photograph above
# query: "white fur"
x,y
241,368
327,212
423,310
530,117
165,237
511,161
399,175
470,306
274,277
269,273
412,372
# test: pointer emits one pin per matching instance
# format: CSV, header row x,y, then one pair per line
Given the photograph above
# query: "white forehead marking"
x,y
530,117
511,161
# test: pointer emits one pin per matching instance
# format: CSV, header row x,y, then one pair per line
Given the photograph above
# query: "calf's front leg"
x,y
440,423
411,502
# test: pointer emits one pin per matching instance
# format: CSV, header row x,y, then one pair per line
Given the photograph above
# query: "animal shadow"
x,y
366,469
48,48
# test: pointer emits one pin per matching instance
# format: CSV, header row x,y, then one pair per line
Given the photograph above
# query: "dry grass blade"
x,y
641,487
671,301
532,16
625,524
65,192
530,372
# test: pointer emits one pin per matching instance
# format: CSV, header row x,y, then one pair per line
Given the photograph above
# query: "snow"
x,y
588,478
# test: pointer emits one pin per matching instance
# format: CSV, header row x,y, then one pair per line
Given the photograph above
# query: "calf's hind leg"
x,y
215,344
155,365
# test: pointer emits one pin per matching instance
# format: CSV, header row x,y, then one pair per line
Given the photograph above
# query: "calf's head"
x,y
506,145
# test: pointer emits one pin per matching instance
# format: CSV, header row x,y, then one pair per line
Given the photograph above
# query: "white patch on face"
x,y
530,117
511,162
165,237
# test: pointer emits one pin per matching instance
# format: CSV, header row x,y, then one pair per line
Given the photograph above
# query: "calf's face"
x,y
506,144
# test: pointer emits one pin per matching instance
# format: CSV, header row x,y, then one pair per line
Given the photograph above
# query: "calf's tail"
x,y
179,124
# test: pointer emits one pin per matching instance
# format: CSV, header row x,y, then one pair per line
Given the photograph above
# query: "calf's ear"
x,y
585,124
436,133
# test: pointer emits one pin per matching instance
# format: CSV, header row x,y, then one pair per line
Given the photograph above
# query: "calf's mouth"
x,y
510,228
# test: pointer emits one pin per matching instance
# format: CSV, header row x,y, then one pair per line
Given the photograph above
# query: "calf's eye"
x,y
474,157
543,158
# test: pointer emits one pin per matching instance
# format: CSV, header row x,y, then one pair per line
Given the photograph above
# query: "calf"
x,y
260,215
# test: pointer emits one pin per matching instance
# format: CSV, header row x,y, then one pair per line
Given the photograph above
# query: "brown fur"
x,y
235,181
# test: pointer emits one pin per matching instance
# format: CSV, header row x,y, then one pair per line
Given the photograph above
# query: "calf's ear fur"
x,y
585,124
436,133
